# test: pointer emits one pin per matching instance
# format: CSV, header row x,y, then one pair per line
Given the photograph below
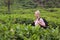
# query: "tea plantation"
x,y
17,25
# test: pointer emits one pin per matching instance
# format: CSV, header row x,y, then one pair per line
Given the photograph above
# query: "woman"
x,y
39,21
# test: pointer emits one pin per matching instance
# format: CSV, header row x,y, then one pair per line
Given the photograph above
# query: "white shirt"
x,y
40,21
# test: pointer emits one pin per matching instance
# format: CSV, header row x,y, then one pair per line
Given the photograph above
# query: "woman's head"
x,y
37,14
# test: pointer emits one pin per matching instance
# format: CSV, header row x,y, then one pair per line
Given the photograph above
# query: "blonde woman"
x,y
39,21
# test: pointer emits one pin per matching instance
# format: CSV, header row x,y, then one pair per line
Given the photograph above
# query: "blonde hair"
x,y
37,12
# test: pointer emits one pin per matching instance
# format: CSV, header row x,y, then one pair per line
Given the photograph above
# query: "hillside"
x,y
16,25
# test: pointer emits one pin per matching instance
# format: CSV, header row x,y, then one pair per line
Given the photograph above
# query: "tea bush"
x,y
23,32
17,25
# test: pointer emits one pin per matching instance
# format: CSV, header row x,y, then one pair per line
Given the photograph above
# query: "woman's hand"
x,y
40,22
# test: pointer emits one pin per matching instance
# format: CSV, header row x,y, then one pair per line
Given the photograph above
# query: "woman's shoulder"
x,y
41,18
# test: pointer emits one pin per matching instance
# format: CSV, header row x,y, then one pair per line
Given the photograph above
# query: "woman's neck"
x,y
38,18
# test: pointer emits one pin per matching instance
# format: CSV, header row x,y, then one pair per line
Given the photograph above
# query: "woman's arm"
x,y
41,22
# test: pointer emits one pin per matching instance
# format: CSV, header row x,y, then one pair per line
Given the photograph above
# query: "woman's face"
x,y
37,15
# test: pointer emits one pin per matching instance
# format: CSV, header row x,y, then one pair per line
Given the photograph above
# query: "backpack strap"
x,y
45,22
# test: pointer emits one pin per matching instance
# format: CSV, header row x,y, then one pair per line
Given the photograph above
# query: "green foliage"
x,y
17,25
32,3
23,32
